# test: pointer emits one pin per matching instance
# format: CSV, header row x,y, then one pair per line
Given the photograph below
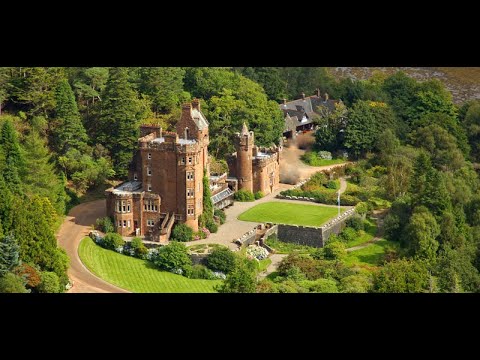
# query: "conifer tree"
x,y
9,254
14,166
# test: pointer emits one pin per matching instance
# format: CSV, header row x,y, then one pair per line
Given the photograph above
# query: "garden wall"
x,y
199,258
247,238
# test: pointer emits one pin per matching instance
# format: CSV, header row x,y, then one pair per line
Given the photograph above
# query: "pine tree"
x,y
14,161
119,122
164,85
41,178
9,254
70,132
6,206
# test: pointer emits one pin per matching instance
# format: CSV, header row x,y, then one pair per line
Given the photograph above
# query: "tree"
x,y
471,124
9,254
139,247
330,128
11,283
164,85
355,284
401,276
366,121
334,250
182,233
241,279
174,258
4,82
113,241
69,132
49,283
6,206
120,119
30,274
221,259
422,233
206,219
14,167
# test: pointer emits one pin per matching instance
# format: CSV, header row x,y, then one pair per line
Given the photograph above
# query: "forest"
x,y
65,131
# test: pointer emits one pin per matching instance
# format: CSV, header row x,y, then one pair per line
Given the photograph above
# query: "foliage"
x,y
49,283
244,195
30,274
9,254
257,252
287,248
334,250
258,195
355,284
174,258
201,272
11,283
329,135
221,259
221,215
182,232
402,276
211,226
112,241
13,162
105,224
139,248
206,219
313,158
355,222
321,286
242,279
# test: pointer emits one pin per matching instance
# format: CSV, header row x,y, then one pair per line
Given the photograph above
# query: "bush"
x,y
221,259
321,286
202,272
11,283
334,250
105,225
113,241
331,184
355,284
326,155
139,248
174,258
356,223
221,215
258,195
348,234
50,283
305,263
182,233
244,195
211,226
361,208
30,274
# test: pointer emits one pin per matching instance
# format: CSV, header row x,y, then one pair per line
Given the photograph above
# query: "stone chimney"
x,y
303,95
326,97
186,133
196,104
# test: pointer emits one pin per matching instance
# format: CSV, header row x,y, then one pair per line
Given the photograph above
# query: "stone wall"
x,y
301,235
199,258
247,238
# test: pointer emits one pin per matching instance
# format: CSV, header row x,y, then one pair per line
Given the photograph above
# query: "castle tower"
x,y
244,146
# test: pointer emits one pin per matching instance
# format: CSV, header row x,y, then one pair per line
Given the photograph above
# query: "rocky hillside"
x,y
463,82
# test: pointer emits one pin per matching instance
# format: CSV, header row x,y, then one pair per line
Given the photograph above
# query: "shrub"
x,y
334,250
50,283
221,215
221,259
211,226
355,284
348,234
105,225
11,283
331,184
258,195
257,252
361,208
242,279
202,272
306,264
113,241
29,274
244,195
326,155
355,222
174,258
140,250
182,233
321,286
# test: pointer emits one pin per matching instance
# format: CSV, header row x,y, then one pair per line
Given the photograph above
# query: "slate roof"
x,y
199,119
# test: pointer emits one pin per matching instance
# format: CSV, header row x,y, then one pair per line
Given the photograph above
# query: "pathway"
x,y
74,228
380,231
276,260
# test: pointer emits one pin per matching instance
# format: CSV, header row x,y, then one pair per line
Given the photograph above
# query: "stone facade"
x,y
165,180
256,169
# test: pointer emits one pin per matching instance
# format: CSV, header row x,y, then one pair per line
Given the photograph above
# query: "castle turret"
x,y
244,146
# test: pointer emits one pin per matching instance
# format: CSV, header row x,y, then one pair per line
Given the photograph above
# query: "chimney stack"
x,y
303,95
196,104
186,133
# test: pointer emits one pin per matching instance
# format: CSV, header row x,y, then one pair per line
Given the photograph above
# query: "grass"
x,y
262,265
288,248
371,255
290,213
137,275
311,158
368,235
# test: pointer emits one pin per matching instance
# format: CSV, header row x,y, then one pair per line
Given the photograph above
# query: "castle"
x,y
255,169
165,183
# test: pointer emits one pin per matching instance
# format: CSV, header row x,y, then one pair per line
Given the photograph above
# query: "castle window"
x,y
128,223
156,208
149,187
119,223
190,193
128,206
149,156
124,207
182,161
190,211
124,223
190,175
150,222
149,171
119,206
135,177
190,160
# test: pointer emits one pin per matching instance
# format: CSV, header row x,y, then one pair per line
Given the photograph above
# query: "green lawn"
x,y
371,255
369,234
282,247
262,265
290,213
137,275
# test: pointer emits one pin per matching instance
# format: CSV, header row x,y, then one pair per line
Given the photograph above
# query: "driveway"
x,y
75,227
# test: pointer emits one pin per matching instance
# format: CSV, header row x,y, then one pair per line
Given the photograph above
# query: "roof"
x,y
128,187
199,119
244,129
222,195
307,105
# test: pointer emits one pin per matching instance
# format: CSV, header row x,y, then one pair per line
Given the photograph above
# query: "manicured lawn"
x,y
369,234
137,275
288,248
371,255
290,213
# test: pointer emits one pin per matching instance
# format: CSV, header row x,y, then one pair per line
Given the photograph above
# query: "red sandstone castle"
x,y
166,177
